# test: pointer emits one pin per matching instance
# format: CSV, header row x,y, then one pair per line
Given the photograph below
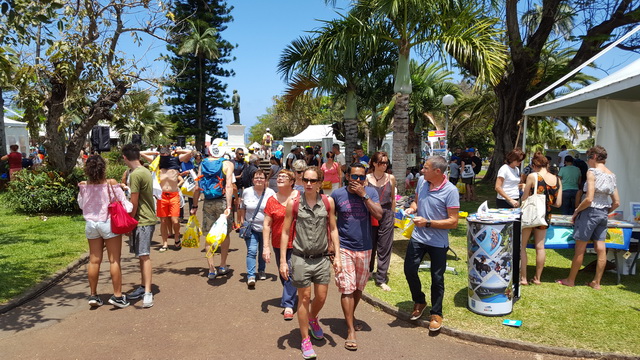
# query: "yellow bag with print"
x,y
216,235
191,236
408,228
461,187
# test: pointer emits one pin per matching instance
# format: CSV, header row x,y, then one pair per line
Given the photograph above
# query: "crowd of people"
x,y
317,213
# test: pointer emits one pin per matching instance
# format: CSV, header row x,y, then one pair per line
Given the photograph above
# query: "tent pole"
x,y
524,136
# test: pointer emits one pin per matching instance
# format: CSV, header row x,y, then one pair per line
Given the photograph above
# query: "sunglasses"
x,y
313,181
358,177
383,163
240,154
299,172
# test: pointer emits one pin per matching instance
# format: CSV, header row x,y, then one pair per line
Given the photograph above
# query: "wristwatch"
x,y
366,197
428,223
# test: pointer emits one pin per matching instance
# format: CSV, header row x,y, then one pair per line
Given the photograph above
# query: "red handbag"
x,y
121,221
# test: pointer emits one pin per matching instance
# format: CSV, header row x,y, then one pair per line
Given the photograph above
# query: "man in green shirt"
x,y
141,186
570,176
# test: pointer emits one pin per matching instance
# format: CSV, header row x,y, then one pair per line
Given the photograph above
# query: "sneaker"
x,y
136,294
418,309
95,301
251,281
262,275
147,302
307,349
315,329
120,302
436,323
212,275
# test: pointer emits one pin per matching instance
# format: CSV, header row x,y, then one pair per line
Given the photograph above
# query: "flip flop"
x,y
178,245
163,249
351,345
562,282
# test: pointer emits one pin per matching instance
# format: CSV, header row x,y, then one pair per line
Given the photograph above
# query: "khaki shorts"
x,y
305,272
211,211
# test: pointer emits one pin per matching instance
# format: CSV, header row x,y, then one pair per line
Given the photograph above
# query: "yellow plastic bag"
x,y
155,164
191,236
217,234
461,187
408,228
189,184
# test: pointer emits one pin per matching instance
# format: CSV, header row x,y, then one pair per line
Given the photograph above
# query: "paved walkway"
x,y
199,319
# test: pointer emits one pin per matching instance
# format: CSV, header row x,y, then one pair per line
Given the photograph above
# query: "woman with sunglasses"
x,y
385,184
314,226
332,174
274,214
299,166
252,197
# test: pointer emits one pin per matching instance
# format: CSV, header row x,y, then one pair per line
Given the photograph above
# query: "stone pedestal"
x,y
236,135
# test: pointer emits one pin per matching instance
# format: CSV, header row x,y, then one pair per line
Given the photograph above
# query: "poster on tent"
x,y
438,142
490,263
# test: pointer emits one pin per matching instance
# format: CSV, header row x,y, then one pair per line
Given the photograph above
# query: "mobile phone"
x,y
514,323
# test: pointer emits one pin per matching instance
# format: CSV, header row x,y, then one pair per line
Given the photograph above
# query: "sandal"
x,y
351,345
163,249
178,245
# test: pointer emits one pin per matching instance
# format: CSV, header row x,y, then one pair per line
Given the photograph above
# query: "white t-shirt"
x,y
250,202
340,159
561,155
511,178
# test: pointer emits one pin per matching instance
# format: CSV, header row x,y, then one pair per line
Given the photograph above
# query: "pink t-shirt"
x,y
94,200
330,174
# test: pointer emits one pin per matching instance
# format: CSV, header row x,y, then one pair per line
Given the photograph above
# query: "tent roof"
x,y
9,122
313,133
622,85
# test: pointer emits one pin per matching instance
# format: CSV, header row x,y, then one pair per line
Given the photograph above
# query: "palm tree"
x,y
459,28
136,114
202,42
335,60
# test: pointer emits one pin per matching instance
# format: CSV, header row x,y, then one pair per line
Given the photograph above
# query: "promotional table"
x,y
491,263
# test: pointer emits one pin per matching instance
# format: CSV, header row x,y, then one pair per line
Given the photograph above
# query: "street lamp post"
x,y
447,101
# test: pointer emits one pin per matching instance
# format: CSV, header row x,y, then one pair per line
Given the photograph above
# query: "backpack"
x,y
467,171
268,139
294,212
246,179
212,183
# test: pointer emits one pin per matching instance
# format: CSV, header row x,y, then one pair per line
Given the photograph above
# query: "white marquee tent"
x,y
615,101
16,133
313,135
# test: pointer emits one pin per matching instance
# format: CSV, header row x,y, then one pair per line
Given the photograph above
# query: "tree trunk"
x,y
62,155
511,103
200,134
350,125
400,139
3,137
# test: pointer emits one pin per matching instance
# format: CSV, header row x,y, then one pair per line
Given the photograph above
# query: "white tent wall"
x,y
618,131
16,133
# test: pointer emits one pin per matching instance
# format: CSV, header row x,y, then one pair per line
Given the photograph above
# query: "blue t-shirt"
x,y
432,205
184,166
354,219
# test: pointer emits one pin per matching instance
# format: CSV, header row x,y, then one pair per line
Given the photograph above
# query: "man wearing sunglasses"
x,y
436,208
355,205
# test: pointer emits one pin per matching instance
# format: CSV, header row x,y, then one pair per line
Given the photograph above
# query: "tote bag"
x,y
534,209
121,221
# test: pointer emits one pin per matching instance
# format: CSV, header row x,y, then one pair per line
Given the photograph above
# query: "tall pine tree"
x,y
195,88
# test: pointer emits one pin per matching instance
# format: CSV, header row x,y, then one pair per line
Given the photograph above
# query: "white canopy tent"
x,y
313,135
16,133
615,101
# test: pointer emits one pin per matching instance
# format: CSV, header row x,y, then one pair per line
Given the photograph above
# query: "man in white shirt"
x,y
563,152
339,157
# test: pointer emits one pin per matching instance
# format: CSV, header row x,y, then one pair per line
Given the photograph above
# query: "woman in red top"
x,y
15,160
274,214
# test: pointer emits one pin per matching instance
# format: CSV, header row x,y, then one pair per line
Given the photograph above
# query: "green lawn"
x,y
605,320
32,249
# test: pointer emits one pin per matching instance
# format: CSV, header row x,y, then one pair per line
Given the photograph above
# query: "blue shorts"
x,y
591,224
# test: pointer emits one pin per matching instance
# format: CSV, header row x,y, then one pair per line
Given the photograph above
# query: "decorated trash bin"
x,y
490,263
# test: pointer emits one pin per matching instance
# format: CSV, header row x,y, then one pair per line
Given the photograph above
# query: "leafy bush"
x,y
44,191
115,171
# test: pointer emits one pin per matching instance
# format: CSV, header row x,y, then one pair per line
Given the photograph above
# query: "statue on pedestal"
x,y
235,105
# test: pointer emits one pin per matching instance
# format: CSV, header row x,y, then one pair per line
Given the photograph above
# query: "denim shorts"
x,y
99,229
591,224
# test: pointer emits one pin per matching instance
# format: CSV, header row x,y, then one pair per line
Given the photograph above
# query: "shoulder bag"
x,y
245,230
534,208
121,221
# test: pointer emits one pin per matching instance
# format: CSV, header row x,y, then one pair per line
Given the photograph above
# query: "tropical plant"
x,y
335,60
136,114
458,28
197,62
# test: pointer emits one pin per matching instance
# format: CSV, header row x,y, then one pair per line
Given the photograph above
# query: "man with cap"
x,y
267,141
216,182
293,156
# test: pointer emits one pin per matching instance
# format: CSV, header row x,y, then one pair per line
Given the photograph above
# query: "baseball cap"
x,y
268,129
218,147
471,150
